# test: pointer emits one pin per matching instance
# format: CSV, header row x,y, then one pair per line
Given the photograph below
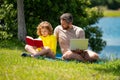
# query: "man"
x,y
67,31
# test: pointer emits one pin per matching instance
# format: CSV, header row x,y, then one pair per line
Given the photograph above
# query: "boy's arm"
x,y
56,32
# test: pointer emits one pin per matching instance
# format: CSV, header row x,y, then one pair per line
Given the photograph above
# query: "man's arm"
x,y
56,33
81,33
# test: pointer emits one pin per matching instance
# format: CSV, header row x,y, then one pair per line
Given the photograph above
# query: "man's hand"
x,y
81,52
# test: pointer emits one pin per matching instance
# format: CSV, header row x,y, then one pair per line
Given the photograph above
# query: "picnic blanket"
x,y
59,58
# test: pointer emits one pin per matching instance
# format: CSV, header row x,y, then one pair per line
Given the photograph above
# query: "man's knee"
x,y
95,56
66,56
90,56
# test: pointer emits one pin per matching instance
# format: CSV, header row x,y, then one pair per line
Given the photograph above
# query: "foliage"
x,y
8,20
94,34
111,4
3,34
50,10
12,44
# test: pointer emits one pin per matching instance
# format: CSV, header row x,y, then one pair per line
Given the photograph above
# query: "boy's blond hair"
x,y
40,26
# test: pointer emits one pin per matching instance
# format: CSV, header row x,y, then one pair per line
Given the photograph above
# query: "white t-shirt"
x,y
64,36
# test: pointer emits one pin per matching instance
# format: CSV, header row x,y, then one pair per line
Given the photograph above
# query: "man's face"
x,y
64,24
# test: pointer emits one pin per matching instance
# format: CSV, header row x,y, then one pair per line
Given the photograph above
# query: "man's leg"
x,y
91,56
69,55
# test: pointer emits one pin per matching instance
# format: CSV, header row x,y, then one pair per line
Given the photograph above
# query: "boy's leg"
x,y
45,51
30,49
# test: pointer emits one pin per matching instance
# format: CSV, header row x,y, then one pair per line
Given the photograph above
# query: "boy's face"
x,y
44,32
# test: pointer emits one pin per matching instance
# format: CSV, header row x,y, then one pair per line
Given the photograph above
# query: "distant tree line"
x,y
111,4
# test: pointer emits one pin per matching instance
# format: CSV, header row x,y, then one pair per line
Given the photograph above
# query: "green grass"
x,y
15,67
111,13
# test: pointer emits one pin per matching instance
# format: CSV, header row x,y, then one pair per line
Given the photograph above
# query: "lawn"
x,y
111,13
15,67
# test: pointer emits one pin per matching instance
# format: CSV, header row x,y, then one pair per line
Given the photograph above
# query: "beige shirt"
x,y
64,36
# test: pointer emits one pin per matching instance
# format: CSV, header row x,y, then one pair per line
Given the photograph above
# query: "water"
x,y
111,33
110,53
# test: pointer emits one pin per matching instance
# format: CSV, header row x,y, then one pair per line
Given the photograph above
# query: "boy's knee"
x,y
26,47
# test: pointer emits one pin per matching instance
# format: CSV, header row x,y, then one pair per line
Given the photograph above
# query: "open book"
x,y
34,42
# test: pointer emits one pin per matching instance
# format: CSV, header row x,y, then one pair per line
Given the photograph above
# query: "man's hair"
x,y
67,16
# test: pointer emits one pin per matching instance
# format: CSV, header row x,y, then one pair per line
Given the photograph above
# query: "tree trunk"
x,y
21,20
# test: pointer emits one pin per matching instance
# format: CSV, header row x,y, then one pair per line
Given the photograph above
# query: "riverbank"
x,y
111,13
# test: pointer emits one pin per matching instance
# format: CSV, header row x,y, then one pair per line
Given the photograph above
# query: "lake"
x,y
111,34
